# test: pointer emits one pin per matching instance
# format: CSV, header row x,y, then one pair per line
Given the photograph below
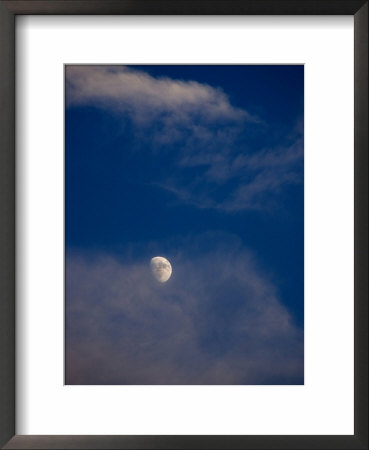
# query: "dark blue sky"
x,y
202,165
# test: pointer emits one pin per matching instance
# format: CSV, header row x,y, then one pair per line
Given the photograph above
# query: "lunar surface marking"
x,y
161,268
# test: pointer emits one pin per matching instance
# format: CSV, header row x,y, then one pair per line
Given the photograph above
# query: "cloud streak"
x,y
145,97
253,181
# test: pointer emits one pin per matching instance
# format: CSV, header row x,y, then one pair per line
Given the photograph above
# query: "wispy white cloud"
x,y
218,320
204,127
145,97
253,181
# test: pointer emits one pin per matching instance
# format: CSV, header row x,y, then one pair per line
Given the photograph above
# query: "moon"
x,y
161,268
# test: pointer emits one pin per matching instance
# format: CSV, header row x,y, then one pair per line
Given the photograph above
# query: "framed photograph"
x,y
184,210
174,250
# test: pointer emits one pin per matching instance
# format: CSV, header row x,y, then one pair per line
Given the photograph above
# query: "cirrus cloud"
x,y
193,127
145,97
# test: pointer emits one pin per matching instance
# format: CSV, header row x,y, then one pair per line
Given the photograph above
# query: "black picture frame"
x,y
8,11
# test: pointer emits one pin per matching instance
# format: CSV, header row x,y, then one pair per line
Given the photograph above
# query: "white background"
x,y
324,405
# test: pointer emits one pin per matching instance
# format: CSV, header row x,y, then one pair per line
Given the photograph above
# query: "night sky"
x,y
203,165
